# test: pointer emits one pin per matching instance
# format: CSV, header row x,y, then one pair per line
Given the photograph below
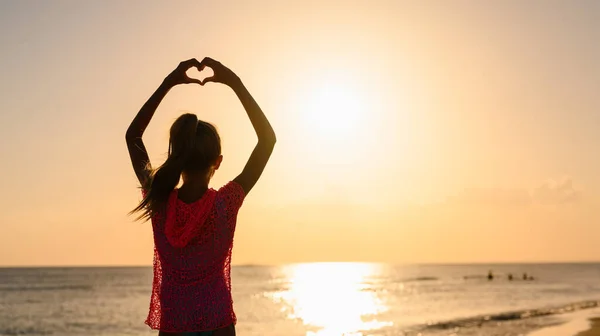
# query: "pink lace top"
x,y
191,288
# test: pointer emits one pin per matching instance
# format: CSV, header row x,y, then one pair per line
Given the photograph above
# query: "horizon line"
x,y
541,262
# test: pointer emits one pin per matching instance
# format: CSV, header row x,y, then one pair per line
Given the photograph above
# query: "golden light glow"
x,y
333,298
334,110
333,122
383,113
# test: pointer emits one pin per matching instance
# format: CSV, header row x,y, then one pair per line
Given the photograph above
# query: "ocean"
x,y
314,299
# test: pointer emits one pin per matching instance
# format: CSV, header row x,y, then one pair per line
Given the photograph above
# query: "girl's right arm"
x,y
266,136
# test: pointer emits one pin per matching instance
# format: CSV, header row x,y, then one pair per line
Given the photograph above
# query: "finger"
x,y
188,80
194,63
183,64
194,81
207,61
207,80
189,63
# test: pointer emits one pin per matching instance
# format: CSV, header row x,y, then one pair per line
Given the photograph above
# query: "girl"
x,y
194,225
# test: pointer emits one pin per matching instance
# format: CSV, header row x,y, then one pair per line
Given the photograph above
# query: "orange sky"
x,y
457,131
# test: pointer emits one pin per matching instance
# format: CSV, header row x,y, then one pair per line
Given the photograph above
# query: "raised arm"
x,y
266,136
133,136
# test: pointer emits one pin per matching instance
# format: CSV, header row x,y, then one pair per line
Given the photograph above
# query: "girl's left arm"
x,y
133,136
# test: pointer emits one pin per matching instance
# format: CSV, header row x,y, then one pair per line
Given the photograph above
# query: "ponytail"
x,y
182,140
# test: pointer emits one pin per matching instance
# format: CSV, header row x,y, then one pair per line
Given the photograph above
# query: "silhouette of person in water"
x,y
510,277
193,226
490,275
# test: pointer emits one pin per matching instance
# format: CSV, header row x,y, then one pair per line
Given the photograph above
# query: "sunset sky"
x,y
408,131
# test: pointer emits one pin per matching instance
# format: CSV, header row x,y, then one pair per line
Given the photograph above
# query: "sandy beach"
x,y
579,323
594,328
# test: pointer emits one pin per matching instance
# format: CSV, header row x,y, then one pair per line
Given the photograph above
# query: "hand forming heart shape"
x,y
201,75
221,74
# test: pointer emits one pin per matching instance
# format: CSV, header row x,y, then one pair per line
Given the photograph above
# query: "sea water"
x,y
314,299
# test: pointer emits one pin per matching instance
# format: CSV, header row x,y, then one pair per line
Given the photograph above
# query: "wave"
x,y
477,321
25,288
24,331
423,278
477,276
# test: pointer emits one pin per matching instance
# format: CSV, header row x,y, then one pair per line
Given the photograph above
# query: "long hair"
x,y
194,145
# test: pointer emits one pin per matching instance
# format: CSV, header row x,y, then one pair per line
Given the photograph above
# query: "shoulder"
x,y
232,188
231,195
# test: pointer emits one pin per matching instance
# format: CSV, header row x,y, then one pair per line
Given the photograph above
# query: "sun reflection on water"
x,y
333,298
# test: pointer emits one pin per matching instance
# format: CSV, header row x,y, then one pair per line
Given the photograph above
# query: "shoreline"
x,y
594,329
564,320
582,323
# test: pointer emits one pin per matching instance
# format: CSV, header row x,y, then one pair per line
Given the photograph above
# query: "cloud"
x,y
557,192
552,192
492,197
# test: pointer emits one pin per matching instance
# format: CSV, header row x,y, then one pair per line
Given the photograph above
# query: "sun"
x,y
334,122
334,110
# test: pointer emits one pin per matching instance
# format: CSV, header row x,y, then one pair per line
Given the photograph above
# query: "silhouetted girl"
x,y
194,225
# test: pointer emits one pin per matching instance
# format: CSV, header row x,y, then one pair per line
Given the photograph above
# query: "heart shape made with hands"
x,y
200,75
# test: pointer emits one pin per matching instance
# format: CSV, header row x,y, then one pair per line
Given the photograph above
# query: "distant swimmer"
x,y
490,275
527,277
510,277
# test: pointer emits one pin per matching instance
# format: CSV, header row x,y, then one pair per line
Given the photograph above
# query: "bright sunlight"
x,y
335,110
334,298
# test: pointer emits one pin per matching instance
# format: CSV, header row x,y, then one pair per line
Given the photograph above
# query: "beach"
x,y
580,323
552,322
594,328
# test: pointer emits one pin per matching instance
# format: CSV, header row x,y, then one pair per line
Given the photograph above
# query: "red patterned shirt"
x,y
191,288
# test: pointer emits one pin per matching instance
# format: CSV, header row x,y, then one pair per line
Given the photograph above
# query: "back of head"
x,y
194,146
